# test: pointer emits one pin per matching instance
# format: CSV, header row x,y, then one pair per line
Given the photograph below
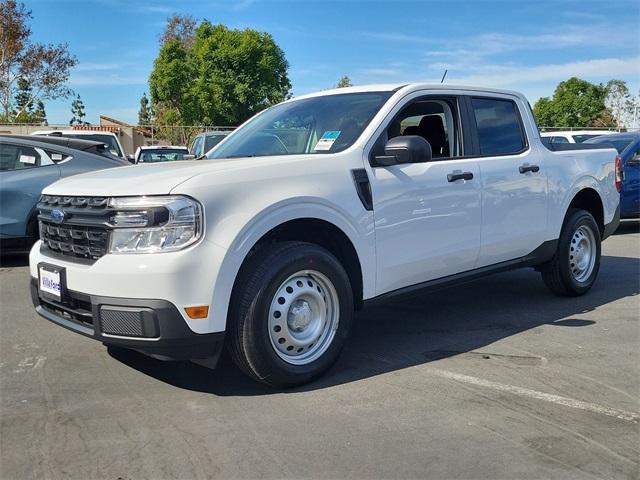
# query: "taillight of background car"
x,y
619,173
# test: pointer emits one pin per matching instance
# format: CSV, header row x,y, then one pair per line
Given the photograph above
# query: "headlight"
x,y
154,224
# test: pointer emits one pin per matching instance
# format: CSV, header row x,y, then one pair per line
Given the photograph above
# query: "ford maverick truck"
x,y
311,209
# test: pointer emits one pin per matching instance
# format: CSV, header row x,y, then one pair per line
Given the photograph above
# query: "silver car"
x,y
29,165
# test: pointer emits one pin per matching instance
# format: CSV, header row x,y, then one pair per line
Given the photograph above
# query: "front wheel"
x,y
291,312
574,268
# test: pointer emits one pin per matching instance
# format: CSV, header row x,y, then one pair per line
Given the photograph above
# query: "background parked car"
x,y
572,136
628,146
108,138
203,142
88,146
156,153
26,167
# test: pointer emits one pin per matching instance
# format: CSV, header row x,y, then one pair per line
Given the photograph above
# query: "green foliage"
x,y
144,114
77,112
345,81
219,77
575,103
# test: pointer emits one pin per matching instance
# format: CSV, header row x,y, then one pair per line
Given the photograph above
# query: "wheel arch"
x,y
589,199
350,242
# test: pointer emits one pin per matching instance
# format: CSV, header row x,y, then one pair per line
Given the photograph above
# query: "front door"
x,y
427,215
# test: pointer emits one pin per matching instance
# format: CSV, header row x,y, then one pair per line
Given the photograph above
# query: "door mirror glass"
x,y
405,149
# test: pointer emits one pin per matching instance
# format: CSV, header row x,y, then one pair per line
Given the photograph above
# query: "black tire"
x,y
558,274
248,331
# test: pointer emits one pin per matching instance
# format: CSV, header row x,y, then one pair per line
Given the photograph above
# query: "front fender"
x,y
238,233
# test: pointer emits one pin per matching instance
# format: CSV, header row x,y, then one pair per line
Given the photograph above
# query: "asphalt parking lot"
x,y
502,380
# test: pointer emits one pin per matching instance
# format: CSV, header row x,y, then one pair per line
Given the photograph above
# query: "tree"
x,y
575,103
220,77
77,110
344,81
181,28
45,68
40,116
144,114
619,101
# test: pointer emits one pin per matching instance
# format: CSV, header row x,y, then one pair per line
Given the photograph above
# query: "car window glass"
x,y
109,140
559,140
314,125
195,147
211,141
162,155
18,157
499,127
433,119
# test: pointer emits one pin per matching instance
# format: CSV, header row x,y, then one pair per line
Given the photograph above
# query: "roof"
x,y
408,87
162,147
576,132
69,142
79,131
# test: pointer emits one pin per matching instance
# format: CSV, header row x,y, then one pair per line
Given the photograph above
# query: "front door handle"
x,y
529,168
458,175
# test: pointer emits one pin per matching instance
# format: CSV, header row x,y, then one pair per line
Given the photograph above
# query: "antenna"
x,y
445,74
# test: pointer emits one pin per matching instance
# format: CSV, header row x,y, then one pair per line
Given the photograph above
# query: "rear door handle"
x,y
453,176
529,168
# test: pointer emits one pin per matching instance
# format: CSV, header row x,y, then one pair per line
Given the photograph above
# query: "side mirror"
x,y
405,149
189,157
131,158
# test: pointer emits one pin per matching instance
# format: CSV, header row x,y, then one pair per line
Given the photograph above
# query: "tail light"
x,y
619,173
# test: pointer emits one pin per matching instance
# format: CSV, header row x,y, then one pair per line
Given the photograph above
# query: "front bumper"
x,y
153,327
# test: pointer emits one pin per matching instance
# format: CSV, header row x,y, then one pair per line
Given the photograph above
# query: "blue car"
x,y
29,165
628,146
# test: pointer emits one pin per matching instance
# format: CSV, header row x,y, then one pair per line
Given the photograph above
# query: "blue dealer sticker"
x,y
326,141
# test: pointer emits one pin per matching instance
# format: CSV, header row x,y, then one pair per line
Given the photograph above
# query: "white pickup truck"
x,y
309,210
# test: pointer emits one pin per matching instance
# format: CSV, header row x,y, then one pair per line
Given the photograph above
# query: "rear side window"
x,y
500,130
17,157
559,140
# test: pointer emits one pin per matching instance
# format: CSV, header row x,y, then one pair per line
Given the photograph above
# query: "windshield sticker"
x,y
27,159
56,157
327,140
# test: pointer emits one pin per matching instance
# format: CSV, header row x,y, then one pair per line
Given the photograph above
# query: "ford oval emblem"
x,y
57,215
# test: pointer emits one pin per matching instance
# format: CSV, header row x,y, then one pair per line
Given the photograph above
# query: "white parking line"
x,y
547,397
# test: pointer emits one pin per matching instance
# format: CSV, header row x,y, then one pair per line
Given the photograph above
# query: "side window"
x,y
196,146
434,119
500,130
17,157
559,140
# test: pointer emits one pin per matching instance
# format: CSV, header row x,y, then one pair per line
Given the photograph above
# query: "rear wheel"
x,y
574,268
291,312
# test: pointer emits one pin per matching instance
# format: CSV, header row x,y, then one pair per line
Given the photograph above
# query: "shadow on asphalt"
x,y
8,260
423,329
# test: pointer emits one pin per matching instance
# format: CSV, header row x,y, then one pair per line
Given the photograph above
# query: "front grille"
x,y
75,226
75,307
79,241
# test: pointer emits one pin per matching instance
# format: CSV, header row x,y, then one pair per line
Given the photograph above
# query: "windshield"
x,y
620,143
163,155
109,140
325,124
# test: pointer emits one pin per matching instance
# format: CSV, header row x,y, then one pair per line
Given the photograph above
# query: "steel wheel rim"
x,y
582,253
303,317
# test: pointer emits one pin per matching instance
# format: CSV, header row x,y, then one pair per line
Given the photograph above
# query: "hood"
x,y
141,179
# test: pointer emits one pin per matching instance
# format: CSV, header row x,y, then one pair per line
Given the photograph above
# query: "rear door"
x,y
427,216
514,181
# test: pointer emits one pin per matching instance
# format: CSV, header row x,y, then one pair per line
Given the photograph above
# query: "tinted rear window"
x,y
499,127
211,141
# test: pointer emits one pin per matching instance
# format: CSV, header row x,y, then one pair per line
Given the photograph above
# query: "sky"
x,y
529,46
